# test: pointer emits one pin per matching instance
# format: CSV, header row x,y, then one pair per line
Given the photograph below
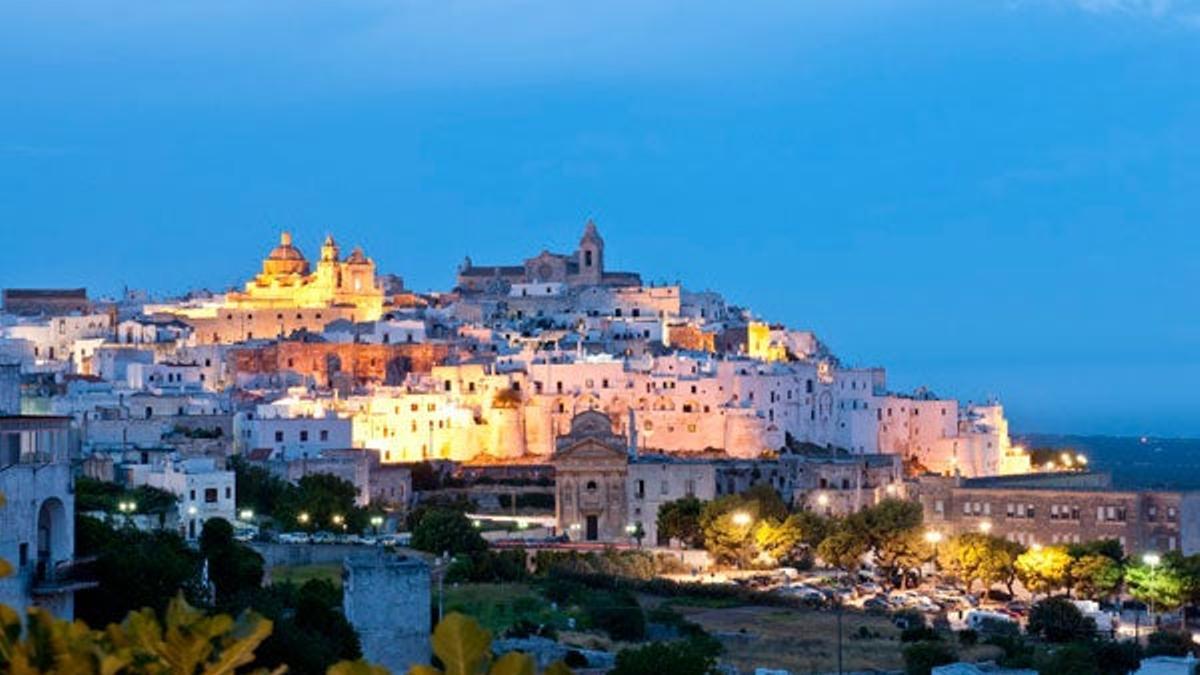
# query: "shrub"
x,y
919,634
1168,643
967,637
575,659
1059,620
920,658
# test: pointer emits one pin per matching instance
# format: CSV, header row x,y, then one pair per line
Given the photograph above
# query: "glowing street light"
x,y
1081,460
933,537
823,499
742,519
985,526
247,514
1152,559
302,518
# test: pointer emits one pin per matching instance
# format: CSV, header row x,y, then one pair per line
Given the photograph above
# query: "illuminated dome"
x,y
285,259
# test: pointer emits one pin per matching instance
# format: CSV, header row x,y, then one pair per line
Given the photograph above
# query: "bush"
x,y
617,614
1168,643
919,634
1117,658
920,658
1059,620
446,530
1017,652
684,657
575,659
968,637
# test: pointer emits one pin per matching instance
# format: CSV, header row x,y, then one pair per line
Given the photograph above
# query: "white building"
x,y
37,523
204,490
291,434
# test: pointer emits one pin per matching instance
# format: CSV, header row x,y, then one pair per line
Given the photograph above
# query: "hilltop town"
x,y
553,403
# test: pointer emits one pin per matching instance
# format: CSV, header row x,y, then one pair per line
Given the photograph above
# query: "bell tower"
x,y
590,256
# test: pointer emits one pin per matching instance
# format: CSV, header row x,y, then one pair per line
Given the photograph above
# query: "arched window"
x,y
591,486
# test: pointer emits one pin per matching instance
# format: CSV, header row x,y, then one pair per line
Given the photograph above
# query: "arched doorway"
x,y
53,539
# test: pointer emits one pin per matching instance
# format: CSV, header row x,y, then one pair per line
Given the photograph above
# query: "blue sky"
x,y
989,198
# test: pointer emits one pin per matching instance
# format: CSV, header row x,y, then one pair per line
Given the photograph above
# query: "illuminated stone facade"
x,y
337,363
286,281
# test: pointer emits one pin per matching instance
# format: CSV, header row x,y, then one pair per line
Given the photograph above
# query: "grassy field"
x,y
799,640
302,573
498,606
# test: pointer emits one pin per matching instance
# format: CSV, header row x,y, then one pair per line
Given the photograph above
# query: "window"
x,y
210,495
641,489
228,493
23,556
665,488
303,436
278,436
591,486
324,434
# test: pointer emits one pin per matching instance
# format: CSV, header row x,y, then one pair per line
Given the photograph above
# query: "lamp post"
x,y
985,527
376,522
933,537
1152,561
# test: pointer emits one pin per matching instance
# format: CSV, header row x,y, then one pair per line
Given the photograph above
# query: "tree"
x,y
920,658
813,528
133,569
727,524
777,541
999,564
311,633
442,530
685,657
1059,620
890,530
843,550
1041,570
1095,576
899,555
234,568
965,557
1164,585
680,519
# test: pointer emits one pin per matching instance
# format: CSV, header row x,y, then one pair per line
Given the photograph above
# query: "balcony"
x,y
65,576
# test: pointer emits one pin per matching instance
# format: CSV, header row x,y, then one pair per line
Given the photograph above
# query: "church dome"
x,y
285,258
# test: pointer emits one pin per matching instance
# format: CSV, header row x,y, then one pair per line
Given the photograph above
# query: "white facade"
x,y
291,436
37,523
204,490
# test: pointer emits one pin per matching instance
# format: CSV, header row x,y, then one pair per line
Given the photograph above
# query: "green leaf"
x,y
513,663
462,644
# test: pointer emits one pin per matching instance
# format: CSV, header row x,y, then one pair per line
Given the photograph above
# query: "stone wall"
x,y
387,600
363,363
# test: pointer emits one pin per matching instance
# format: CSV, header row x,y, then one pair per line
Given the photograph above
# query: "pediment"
x,y
590,450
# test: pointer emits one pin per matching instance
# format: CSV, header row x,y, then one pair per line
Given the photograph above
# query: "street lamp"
x,y
985,527
741,519
247,514
933,537
1152,560
376,522
302,518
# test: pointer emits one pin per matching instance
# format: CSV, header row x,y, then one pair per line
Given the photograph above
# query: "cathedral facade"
x,y
584,267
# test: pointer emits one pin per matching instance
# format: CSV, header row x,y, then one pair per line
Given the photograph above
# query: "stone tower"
x,y
591,255
386,598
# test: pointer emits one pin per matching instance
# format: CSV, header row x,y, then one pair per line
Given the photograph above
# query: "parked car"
x,y
294,538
